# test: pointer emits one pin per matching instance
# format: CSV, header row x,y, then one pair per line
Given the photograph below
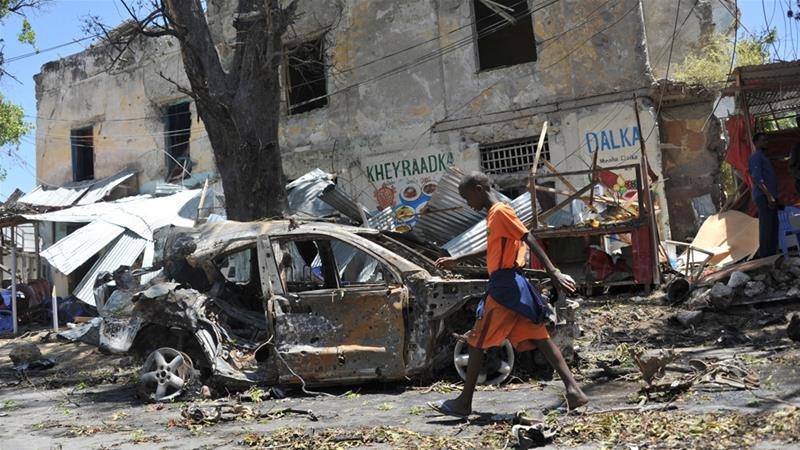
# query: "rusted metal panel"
x,y
343,334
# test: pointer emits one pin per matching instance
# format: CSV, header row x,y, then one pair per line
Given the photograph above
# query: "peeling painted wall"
x,y
692,148
392,89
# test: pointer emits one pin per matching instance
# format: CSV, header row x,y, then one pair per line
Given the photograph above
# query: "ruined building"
x,y
391,93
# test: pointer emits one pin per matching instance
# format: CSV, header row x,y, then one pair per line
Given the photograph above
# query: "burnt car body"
x,y
281,302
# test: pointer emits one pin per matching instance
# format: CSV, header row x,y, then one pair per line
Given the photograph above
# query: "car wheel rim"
x,y
164,374
497,376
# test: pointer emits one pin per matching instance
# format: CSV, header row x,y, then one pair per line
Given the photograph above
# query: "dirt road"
x,y
88,400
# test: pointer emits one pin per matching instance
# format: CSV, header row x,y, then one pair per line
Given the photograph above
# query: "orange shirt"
x,y
504,247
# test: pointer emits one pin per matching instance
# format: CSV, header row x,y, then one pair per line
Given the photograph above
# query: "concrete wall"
x,y
692,149
414,108
125,107
698,20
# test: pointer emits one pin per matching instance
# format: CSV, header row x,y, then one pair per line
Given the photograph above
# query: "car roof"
x,y
224,237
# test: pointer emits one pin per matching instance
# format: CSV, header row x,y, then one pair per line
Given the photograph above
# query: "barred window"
x,y
512,156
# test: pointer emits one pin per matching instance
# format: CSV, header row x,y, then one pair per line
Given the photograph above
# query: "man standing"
x,y
765,196
513,309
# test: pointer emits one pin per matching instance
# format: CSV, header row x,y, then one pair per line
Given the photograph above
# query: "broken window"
x,y
178,123
307,265
82,140
503,33
306,84
300,267
355,267
237,266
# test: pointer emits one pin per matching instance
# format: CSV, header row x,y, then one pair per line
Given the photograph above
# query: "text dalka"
x,y
612,139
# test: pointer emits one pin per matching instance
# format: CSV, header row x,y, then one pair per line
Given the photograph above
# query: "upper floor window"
x,y
504,33
306,83
177,127
82,141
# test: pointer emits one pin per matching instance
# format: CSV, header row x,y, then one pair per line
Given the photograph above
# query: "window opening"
x,y
512,156
178,123
300,265
82,140
355,267
237,267
504,33
306,83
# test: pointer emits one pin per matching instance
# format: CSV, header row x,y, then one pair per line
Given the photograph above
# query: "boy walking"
x,y
513,309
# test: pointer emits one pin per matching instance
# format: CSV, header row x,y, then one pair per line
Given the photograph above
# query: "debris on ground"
x,y
793,329
530,436
660,429
24,353
753,282
222,411
687,319
497,436
703,375
652,366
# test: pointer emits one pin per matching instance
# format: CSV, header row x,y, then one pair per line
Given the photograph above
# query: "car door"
x,y
341,315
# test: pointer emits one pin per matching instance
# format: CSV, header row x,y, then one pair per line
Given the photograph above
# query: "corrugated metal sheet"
x,y
168,189
123,252
58,197
303,194
340,201
81,192
98,191
147,261
474,239
383,220
71,252
447,214
141,214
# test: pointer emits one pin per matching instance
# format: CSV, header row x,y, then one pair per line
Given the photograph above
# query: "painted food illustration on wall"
x,y
385,196
407,185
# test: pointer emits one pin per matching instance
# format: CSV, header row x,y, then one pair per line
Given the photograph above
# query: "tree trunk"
x,y
240,107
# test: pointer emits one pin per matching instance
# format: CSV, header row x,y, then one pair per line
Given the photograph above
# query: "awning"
x,y
71,252
141,214
119,231
76,193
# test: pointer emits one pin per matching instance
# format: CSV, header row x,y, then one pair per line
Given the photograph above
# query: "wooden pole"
x,y
14,280
650,208
202,201
38,249
532,181
55,309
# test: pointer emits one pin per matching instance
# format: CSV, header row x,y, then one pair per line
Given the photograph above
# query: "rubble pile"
x,y
764,284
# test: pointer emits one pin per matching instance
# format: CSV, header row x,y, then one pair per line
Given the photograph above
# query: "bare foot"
x,y
576,398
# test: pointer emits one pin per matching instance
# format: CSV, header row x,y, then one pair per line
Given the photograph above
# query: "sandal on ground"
x,y
442,408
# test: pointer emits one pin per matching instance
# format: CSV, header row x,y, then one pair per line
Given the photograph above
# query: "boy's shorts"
x,y
498,323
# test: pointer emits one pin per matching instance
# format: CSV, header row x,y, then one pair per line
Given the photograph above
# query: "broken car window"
x,y
237,266
355,266
296,266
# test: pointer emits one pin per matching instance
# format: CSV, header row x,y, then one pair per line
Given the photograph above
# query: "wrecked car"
x,y
282,303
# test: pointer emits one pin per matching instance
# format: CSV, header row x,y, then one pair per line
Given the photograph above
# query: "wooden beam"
x,y
569,199
532,181
501,10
